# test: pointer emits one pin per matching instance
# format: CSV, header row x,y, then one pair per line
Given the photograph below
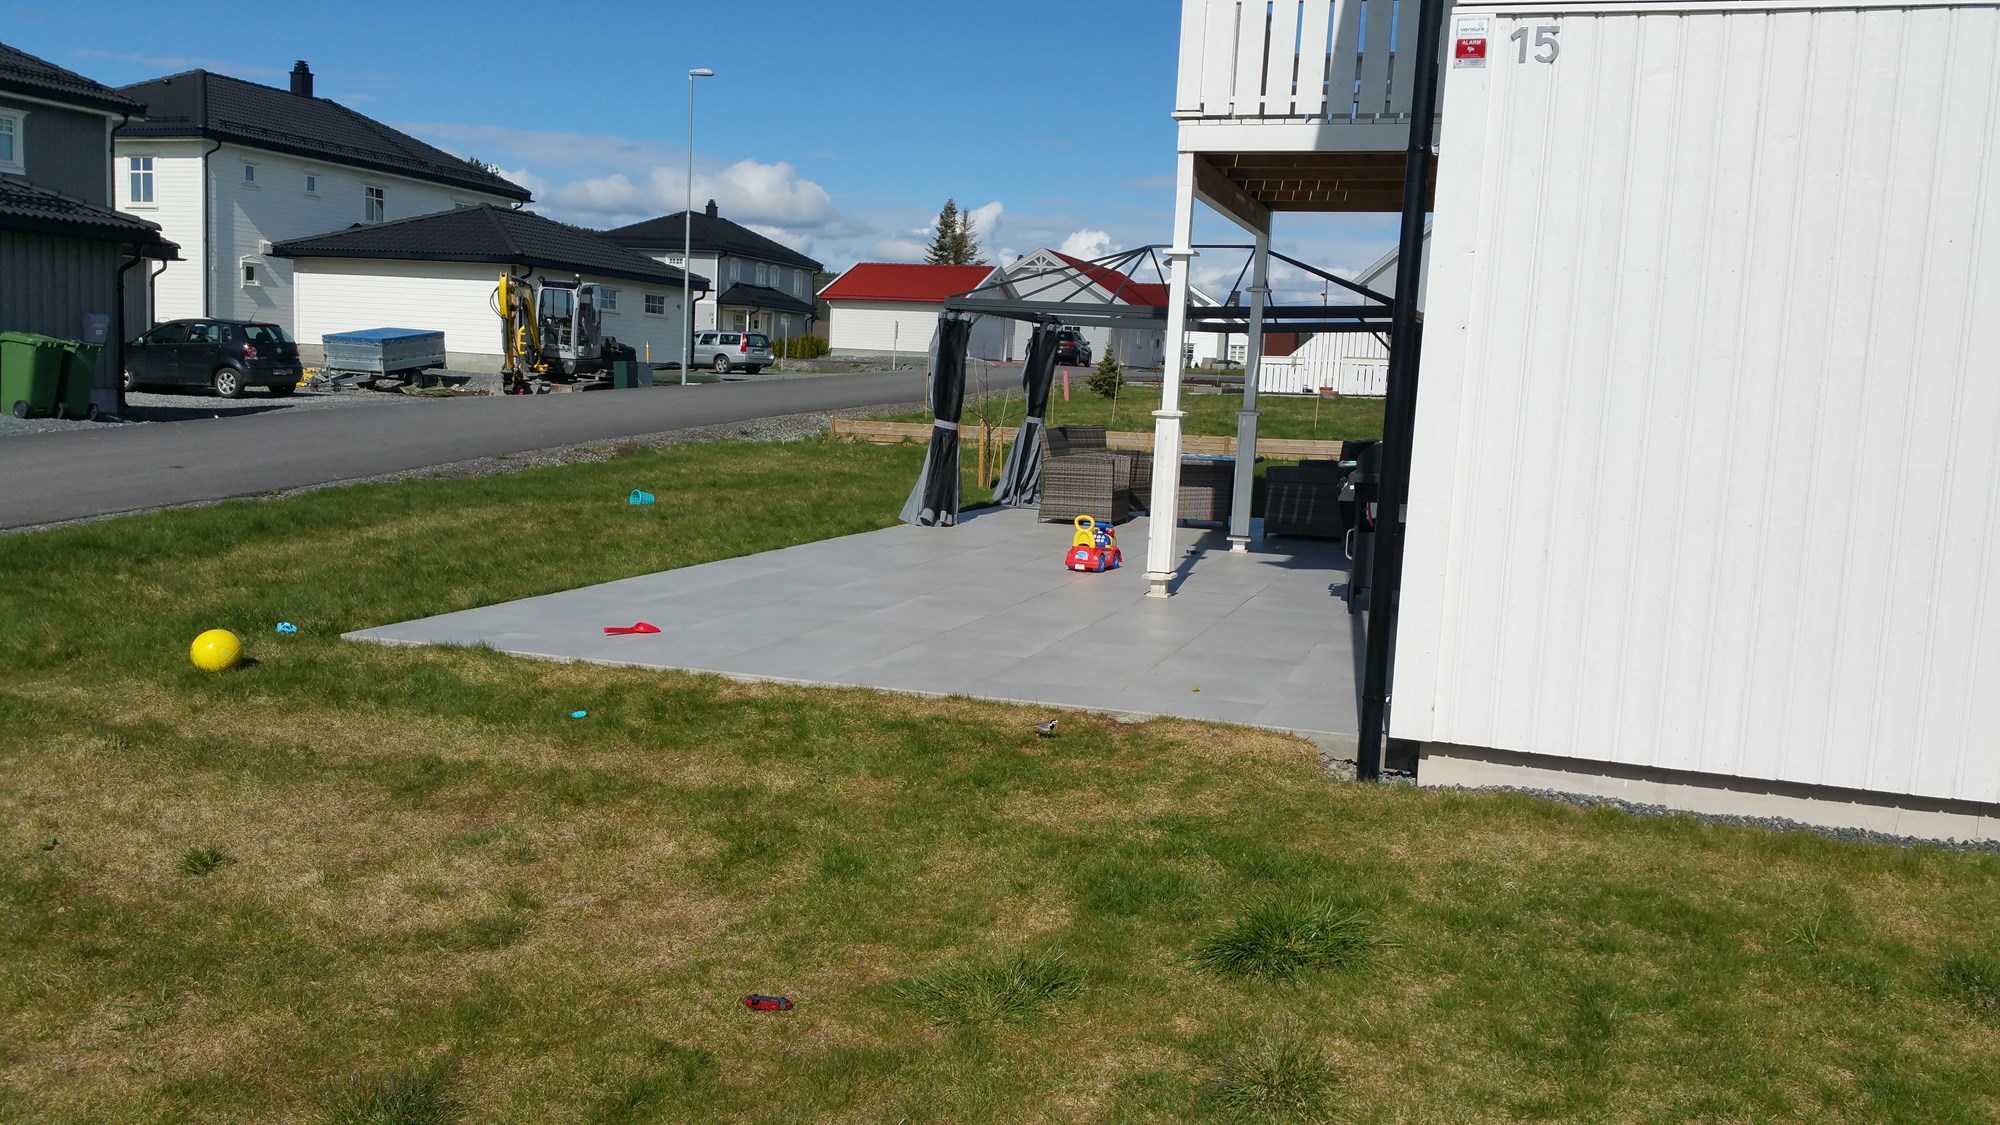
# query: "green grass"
x,y
446,901
1280,940
1012,991
201,861
1279,416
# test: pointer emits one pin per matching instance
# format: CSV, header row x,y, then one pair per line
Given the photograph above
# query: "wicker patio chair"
x,y
1078,480
1089,439
1304,500
1207,487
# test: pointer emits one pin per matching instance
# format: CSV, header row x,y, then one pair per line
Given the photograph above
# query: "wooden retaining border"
x,y
1282,449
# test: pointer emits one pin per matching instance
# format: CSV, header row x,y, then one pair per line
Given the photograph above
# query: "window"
x,y
376,205
203,334
167,334
799,282
735,270
10,143
141,168
656,304
674,259
607,299
249,175
1238,352
761,278
312,183
250,278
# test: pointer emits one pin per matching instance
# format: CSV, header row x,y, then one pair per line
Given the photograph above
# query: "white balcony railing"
x,y
1296,61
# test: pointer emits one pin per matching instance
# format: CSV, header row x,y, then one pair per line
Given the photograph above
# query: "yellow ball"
x,y
217,650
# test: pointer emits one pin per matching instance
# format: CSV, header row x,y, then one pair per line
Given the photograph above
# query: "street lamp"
x,y
687,237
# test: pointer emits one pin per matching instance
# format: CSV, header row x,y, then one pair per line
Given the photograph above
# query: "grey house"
x,y
70,265
760,284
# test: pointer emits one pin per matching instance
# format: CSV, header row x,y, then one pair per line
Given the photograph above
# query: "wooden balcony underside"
x,y
1319,181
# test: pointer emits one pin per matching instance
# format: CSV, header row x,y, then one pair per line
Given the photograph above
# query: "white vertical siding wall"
x,y
456,298
245,217
177,207
1707,467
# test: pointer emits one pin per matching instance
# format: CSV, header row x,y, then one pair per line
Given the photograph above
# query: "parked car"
x,y
729,351
1072,350
224,355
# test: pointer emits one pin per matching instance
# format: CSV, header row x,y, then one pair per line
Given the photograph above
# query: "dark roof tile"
x,y
201,104
486,233
25,207
23,73
763,297
712,234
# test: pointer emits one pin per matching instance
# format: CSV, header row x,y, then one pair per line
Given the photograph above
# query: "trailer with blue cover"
x,y
380,353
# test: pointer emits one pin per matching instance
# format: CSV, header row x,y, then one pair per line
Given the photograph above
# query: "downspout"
x,y
118,320
208,231
1406,334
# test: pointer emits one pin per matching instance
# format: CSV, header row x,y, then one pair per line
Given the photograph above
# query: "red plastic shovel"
x,y
623,630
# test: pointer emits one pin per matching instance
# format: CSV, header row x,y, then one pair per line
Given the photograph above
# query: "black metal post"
x,y
1399,422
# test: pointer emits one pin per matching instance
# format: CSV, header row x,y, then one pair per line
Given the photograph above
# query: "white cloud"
x,y
898,250
986,220
1087,244
750,192
174,64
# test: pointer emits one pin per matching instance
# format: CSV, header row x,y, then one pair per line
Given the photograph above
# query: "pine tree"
x,y
945,245
953,240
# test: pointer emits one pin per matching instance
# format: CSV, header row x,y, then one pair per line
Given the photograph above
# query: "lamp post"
x,y
687,237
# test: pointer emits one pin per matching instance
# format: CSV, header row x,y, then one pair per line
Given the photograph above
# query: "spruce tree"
x,y
945,245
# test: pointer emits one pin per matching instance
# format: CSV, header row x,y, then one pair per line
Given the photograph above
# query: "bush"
x,y
1107,378
800,347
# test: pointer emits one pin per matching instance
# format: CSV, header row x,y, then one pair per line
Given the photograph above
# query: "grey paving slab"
x,y
982,609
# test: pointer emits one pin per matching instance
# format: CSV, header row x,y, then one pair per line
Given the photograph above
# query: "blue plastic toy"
x,y
639,497
579,714
287,627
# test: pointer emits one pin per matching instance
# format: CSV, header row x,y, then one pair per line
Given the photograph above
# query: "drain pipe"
x,y
1406,333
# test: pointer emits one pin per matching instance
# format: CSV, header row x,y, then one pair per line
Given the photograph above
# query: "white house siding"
x,y
346,295
177,207
1707,461
878,327
277,208
704,307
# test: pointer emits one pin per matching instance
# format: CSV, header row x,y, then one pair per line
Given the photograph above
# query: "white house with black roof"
x,y
761,284
228,167
70,265
439,272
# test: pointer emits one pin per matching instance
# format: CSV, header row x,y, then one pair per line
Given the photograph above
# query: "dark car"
x,y
1072,350
226,355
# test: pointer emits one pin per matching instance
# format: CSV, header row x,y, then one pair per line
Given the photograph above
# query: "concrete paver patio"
x,y
983,609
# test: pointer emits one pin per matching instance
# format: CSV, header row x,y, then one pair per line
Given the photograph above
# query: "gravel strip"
x,y
784,427
1774,823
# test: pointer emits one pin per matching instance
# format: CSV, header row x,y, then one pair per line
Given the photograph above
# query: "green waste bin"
x,y
79,379
31,369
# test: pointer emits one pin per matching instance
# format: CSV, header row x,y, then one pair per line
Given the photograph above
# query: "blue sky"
x,y
837,126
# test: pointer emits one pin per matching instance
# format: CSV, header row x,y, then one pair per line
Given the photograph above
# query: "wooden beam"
x,y
1225,195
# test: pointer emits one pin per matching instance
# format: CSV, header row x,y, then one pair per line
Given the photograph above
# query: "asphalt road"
x,y
74,474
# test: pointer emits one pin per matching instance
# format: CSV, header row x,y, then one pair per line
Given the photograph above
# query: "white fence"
x,y
1346,363
1296,60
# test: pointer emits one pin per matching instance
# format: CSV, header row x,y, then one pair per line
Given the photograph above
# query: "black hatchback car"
x,y
226,355
1072,350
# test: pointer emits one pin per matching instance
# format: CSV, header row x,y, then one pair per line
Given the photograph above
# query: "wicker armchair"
x,y
1304,500
1094,439
1208,488
1081,478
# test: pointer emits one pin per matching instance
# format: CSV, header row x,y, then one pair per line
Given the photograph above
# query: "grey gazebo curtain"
x,y
934,501
1021,481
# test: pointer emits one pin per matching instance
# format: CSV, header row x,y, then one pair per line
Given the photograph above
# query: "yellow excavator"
x,y
550,332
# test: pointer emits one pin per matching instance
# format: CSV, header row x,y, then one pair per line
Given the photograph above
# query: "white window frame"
x,y
735,271
17,121
659,299
374,203
249,174
607,298
135,175
798,283
312,184
249,273
763,275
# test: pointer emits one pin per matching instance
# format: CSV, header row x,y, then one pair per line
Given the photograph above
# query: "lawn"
x,y
1279,416
360,884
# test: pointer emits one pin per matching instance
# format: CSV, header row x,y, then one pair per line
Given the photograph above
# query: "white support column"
x,y
1246,418
1163,512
